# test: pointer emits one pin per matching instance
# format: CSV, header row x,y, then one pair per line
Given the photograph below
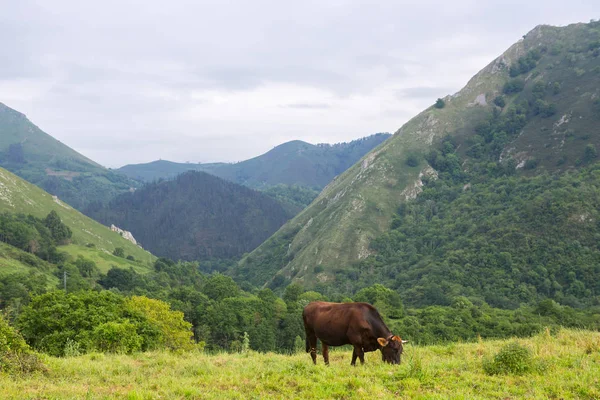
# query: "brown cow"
x,y
358,324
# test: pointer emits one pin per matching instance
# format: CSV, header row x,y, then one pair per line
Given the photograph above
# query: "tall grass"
x,y
571,362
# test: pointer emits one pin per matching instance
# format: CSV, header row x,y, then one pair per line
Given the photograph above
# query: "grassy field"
x,y
567,366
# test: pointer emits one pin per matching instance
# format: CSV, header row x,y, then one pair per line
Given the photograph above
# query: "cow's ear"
x,y
397,339
383,342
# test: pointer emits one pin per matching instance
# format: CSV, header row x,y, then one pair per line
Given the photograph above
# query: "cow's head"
x,y
391,349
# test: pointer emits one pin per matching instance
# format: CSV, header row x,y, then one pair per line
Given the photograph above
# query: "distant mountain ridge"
x,y
196,216
39,158
292,163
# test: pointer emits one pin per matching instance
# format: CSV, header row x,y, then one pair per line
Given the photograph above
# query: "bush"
x,y
15,355
513,358
175,332
117,337
513,86
439,103
412,160
119,252
499,101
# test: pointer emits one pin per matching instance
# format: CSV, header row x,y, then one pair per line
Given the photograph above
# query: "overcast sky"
x,y
127,81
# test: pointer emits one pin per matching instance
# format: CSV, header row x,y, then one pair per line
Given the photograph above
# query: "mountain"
x,y
463,199
40,159
196,216
89,238
294,163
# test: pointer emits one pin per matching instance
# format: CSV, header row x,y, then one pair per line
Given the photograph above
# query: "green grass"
x,y
569,367
104,260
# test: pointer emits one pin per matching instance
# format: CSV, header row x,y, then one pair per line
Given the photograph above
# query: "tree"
x,y
15,153
119,252
590,153
60,232
175,332
219,287
499,101
440,103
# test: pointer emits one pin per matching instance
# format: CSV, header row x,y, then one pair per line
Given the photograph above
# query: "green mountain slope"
x,y
196,216
19,196
534,109
39,158
292,163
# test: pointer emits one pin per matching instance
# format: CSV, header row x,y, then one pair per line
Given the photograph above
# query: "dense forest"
x,y
123,311
196,216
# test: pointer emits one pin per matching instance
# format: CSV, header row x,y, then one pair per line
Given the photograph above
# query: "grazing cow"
x,y
358,324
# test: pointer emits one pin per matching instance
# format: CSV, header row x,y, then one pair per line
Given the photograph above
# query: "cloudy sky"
x,y
128,81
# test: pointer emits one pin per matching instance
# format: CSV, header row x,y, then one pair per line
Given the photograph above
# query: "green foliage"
x,y
590,153
116,337
57,323
525,64
298,196
387,301
440,103
175,333
219,287
31,234
119,252
15,355
412,160
61,233
513,358
513,86
500,101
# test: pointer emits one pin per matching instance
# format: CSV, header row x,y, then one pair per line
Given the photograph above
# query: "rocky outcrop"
x,y
125,234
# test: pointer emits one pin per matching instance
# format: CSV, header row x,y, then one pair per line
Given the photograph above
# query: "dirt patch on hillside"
x,y
68,175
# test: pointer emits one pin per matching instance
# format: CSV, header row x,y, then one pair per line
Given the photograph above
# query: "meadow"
x,y
566,364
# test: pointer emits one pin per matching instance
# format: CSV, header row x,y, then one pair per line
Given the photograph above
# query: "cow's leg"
x,y
312,343
325,350
358,352
353,363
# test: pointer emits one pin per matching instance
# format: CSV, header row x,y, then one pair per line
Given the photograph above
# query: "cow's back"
x,y
331,322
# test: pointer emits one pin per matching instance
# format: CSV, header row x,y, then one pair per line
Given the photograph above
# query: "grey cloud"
x,y
95,72
309,106
423,92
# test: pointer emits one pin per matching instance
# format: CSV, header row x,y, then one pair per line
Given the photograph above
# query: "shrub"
x,y
513,358
117,337
15,355
513,86
175,332
439,103
119,252
412,160
499,101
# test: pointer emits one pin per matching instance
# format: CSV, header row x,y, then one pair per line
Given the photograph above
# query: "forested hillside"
x,y
491,193
196,216
294,163
37,157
